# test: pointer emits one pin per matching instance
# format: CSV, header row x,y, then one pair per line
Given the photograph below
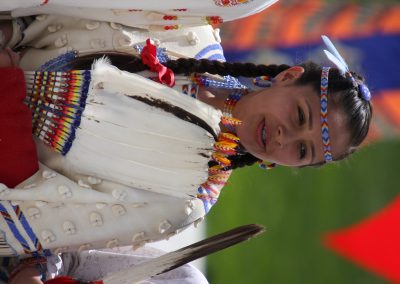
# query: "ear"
x,y
289,76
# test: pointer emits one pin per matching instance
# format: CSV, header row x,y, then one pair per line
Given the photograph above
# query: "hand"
x,y
28,275
9,58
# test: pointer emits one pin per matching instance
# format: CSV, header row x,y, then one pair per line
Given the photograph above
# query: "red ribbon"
x,y
149,58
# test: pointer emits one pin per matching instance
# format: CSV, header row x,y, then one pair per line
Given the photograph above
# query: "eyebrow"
x,y
310,124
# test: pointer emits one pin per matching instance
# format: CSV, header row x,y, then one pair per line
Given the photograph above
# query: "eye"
x,y
302,151
301,116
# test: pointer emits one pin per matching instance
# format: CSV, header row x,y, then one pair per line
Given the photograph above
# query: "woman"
x,y
277,124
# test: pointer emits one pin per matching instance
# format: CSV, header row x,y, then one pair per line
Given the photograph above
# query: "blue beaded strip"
x,y
22,219
59,63
161,52
210,48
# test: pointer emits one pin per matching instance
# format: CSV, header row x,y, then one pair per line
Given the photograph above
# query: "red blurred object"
x,y
374,243
17,148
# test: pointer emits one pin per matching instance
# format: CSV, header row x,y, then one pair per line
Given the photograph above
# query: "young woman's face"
x,y
281,124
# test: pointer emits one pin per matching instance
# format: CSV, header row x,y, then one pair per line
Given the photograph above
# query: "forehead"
x,y
338,130
339,133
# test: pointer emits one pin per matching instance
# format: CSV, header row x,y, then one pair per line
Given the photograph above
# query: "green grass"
x,y
297,207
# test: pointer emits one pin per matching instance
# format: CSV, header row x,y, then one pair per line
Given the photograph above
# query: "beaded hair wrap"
x,y
334,56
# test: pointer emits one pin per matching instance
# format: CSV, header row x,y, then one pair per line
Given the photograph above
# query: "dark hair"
x,y
342,91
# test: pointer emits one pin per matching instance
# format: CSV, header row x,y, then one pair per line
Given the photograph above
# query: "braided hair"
x,y
342,90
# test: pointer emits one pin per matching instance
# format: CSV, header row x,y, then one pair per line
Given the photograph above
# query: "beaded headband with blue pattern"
x,y
333,55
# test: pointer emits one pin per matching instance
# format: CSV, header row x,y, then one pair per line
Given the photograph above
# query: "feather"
x,y
335,54
182,256
342,68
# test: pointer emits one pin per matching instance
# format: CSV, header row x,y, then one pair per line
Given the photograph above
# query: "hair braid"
x,y
240,161
190,65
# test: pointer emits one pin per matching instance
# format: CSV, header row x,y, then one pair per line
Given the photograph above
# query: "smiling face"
x,y
281,124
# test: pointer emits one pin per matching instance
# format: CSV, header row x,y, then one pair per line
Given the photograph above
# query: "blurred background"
x,y
301,207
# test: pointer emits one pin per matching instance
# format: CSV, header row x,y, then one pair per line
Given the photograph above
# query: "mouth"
x,y
262,135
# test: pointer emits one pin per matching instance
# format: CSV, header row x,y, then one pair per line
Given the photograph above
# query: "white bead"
x,y
156,41
217,35
64,191
4,190
33,213
164,226
100,205
84,247
138,237
41,17
40,203
60,42
189,206
48,174
139,204
98,43
112,243
81,183
95,219
48,236
118,210
119,194
32,185
192,37
69,228
197,222
60,250
94,180
115,26
124,41
15,202
52,28
92,25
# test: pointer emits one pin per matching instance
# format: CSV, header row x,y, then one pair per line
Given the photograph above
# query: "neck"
x,y
213,97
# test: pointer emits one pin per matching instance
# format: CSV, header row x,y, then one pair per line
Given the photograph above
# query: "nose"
x,y
284,136
279,137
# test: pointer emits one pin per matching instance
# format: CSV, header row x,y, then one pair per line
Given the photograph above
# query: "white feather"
x,y
342,68
334,55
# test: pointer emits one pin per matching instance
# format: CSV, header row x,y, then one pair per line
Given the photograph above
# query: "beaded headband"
x,y
333,55
324,115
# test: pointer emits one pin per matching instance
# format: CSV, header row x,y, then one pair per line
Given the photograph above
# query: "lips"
x,y
262,135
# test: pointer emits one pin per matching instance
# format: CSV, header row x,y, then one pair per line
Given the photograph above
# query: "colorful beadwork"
x,y
60,63
172,27
57,101
7,211
228,3
230,103
324,115
218,175
170,18
214,20
228,82
264,166
263,81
